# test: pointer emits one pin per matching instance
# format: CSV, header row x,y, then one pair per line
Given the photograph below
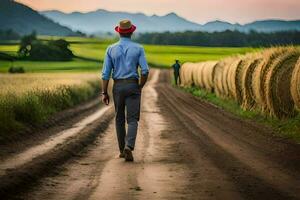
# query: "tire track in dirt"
x,y
24,169
55,140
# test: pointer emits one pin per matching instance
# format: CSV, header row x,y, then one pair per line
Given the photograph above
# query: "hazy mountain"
x,y
219,26
273,25
24,20
259,26
104,21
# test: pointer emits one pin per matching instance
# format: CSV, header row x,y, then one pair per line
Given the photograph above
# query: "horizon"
x,y
85,12
287,10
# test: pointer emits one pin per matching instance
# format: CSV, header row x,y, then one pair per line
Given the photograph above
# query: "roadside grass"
x,y
286,128
27,105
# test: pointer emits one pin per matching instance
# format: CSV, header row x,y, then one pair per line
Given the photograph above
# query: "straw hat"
x,y
125,26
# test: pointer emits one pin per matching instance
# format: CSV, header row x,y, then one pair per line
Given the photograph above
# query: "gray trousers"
x,y
127,97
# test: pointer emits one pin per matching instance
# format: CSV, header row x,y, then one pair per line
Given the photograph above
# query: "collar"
x,y
125,39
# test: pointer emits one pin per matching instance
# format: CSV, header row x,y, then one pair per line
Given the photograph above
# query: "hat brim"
x,y
129,30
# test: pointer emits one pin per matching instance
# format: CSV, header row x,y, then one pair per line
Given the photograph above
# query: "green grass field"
x,y
90,55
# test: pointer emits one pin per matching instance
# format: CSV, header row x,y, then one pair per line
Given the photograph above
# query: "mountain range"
x,y
104,21
24,20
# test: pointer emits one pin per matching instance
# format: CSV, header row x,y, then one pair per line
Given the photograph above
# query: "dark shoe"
x,y
128,154
122,155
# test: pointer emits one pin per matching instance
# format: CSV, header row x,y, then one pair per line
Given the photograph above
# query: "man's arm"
x,y
106,72
143,80
144,68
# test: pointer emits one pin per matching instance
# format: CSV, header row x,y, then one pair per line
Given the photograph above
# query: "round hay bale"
x,y
225,79
278,83
239,78
207,75
217,78
197,74
200,75
186,74
225,83
259,77
295,85
232,78
251,63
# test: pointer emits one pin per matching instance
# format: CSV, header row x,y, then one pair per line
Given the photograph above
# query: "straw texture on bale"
x,y
225,81
260,73
217,78
208,75
247,90
232,79
278,97
295,85
186,74
197,74
220,78
239,80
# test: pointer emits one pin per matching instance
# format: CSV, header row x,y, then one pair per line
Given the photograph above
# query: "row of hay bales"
x,y
268,81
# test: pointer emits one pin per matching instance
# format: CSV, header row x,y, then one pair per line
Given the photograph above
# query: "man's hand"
x,y
143,81
105,99
141,87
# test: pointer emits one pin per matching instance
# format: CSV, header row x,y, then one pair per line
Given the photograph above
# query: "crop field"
x,y
90,55
19,84
267,81
26,100
76,65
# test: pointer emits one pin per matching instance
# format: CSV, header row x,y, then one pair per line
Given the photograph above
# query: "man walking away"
x,y
176,68
122,59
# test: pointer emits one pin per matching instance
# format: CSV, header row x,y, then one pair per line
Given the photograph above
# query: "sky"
x,y
201,11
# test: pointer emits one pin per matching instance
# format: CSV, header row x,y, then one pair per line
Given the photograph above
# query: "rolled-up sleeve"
x,y
107,66
143,62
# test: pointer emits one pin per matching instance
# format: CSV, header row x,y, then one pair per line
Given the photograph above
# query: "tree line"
x,y
221,39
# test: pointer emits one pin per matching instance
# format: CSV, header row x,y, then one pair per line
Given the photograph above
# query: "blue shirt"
x,y
122,59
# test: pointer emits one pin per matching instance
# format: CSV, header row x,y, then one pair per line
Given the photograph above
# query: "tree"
x,y
26,43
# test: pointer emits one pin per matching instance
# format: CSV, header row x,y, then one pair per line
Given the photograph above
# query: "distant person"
x,y
122,59
176,69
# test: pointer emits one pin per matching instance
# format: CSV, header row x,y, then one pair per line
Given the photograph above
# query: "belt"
x,y
126,81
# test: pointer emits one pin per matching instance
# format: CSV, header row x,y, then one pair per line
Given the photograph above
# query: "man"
x,y
176,68
122,59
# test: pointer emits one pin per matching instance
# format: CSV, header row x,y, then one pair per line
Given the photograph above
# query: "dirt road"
x,y
186,149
